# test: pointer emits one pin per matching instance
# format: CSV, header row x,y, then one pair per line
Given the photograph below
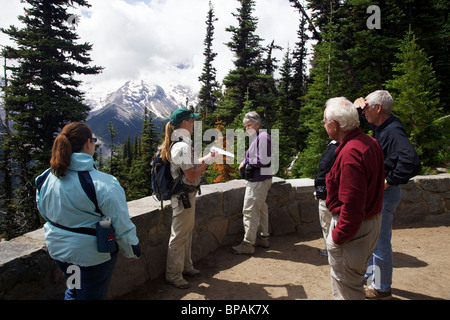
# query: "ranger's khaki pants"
x,y
179,258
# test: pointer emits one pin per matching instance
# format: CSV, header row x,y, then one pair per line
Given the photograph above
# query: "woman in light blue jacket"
x,y
72,217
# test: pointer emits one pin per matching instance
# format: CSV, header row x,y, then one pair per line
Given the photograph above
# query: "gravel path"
x,y
292,269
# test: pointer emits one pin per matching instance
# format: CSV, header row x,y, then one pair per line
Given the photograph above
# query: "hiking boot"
x,y
192,273
373,294
243,248
180,284
262,242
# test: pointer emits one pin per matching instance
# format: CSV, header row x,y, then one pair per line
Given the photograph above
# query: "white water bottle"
x,y
105,222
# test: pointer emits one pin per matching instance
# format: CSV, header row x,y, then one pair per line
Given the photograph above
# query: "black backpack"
x,y
163,184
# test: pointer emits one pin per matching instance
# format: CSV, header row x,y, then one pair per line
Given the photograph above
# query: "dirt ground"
x,y
292,269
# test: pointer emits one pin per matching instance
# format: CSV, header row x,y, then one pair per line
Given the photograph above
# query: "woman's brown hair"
x,y
167,144
71,139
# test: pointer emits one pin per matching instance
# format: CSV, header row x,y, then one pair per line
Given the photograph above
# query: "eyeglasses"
x,y
323,122
93,139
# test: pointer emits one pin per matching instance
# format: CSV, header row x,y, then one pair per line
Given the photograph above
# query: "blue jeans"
x,y
94,280
381,263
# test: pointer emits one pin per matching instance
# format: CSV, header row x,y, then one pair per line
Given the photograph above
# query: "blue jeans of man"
x,y
94,280
379,271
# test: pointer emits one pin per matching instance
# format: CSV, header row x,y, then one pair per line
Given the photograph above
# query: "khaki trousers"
x,y
255,210
349,261
179,258
324,218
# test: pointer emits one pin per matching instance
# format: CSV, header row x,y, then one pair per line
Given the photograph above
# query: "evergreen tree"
x,y
140,171
328,80
415,91
299,80
321,14
247,49
430,20
299,57
115,150
286,123
127,153
6,164
208,77
265,87
42,93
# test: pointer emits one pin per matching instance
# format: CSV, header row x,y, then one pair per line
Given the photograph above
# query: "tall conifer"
x,y
42,93
208,77
245,45
416,100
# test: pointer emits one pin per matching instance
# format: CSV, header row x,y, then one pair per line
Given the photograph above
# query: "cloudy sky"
x,y
161,41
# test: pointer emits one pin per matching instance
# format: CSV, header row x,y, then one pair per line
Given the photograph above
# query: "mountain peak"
x,y
124,106
134,96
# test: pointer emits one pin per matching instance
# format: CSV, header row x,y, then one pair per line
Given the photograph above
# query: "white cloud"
x,y
162,40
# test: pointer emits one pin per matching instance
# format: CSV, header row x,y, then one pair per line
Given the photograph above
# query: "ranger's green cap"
x,y
182,114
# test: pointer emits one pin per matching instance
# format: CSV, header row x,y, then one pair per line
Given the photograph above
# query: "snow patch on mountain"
x,y
132,97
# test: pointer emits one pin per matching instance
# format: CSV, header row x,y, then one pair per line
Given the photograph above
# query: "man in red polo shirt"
x,y
355,187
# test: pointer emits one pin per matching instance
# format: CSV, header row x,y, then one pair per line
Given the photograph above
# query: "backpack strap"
x,y
40,181
88,186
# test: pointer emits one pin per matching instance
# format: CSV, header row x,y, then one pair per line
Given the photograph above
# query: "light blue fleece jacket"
x,y
64,202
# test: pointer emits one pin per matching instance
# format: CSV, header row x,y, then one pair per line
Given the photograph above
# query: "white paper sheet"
x,y
221,151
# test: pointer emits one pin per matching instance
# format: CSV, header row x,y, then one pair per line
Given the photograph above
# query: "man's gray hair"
x,y
253,116
343,112
383,98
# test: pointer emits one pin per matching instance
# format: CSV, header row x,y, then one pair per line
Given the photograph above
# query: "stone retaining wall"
x,y
27,272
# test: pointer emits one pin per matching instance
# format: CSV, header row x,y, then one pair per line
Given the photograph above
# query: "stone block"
x,y
434,183
407,213
127,276
308,211
302,186
203,243
208,204
11,250
435,203
442,219
294,213
218,227
410,185
28,273
235,225
281,221
233,201
144,205
155,257
279,195
145,222
412,195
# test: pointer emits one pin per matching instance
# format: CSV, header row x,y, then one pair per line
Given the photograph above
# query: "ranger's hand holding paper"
x,y
221,151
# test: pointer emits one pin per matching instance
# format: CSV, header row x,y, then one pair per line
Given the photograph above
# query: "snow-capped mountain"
x,y
124,107
135,96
